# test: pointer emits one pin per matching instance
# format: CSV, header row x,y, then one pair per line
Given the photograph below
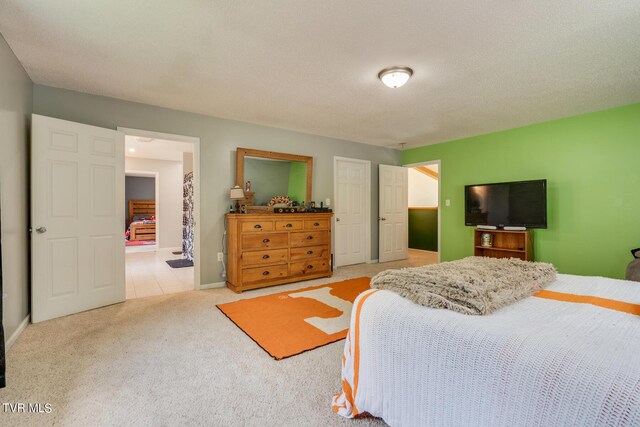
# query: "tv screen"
x,y
507,204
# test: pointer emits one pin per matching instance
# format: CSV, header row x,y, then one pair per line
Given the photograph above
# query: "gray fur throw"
x,y
473,285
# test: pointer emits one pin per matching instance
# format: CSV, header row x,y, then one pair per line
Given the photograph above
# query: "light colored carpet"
x,y
173,360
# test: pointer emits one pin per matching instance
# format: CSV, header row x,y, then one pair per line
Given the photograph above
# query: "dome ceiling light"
x,y
395,77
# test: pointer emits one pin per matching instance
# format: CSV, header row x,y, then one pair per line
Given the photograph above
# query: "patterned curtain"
x,y
187,217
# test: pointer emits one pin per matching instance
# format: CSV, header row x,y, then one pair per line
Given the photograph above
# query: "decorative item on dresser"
x,y
271,249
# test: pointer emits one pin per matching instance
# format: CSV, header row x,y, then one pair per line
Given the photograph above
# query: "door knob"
x,y
41,230
382,218
337,219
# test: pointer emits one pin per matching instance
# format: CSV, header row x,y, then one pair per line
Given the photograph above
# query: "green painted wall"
x,y
592,164
298,182
423,229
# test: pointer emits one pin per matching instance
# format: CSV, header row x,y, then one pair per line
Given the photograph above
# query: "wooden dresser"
x,y
271,249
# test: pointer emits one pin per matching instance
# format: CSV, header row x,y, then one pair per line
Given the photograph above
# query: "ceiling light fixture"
x,y
395,77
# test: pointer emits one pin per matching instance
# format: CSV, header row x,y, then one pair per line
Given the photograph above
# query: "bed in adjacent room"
x,y
567,356
142,220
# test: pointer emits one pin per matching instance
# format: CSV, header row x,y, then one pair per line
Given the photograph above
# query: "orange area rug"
x,y
289,323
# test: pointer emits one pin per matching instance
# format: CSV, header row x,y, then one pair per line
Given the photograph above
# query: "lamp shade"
x,y
236,193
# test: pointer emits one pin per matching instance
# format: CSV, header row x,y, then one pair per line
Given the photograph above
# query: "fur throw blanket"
x,y
473,285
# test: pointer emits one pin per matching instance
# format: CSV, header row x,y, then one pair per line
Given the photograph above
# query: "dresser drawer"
x,y
265,240
288,225
316,224
272,256
309,267
257,225
309,252
268,272
309,238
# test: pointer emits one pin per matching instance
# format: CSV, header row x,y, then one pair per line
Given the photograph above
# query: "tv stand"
x,y
506,244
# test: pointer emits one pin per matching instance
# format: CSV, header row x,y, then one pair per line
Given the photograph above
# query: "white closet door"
x,y
393,217
350,212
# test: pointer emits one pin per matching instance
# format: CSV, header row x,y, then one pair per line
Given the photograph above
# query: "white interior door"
x,y
350,186
77,216
394,213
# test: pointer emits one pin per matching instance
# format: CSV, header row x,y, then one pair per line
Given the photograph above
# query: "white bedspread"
x,y
538,362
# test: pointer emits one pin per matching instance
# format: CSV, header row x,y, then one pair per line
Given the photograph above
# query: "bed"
x,y
569,356
142,220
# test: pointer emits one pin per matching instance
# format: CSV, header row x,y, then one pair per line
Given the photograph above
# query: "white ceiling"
x,y
479,66
159,149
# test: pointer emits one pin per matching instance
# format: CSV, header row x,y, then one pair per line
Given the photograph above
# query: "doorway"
x,y
424,212
172,264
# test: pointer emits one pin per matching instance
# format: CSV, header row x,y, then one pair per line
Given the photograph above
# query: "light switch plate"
x,y
327,202
447,202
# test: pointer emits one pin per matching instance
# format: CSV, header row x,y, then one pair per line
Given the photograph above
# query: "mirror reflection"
x,y
272,177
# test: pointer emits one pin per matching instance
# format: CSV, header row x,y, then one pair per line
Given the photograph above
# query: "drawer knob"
x,y
309,266
265,273
309,252
265,256
257,226
265,240
289,225
317,224
309,237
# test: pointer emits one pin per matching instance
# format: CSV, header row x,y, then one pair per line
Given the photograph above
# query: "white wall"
x,y
169,205
423,190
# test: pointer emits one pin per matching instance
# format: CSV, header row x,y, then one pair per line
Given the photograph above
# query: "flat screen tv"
x,y
507,204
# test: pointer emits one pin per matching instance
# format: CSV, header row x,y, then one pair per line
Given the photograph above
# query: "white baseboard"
x,y
23,325
213,285
372,261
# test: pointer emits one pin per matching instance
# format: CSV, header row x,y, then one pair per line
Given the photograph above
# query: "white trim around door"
x,y
366,194
439,163
196,188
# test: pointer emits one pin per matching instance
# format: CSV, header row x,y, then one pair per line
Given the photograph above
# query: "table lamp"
x,y
236,194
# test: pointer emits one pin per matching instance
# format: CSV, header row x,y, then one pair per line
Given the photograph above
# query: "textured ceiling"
x,y
479,66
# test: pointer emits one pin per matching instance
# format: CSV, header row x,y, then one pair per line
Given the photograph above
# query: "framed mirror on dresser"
x,y
267,248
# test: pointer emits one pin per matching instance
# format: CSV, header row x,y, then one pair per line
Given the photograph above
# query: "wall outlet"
x,y
327,203
220,256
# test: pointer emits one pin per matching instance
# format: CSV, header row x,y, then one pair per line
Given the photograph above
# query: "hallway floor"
x,y
148,274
